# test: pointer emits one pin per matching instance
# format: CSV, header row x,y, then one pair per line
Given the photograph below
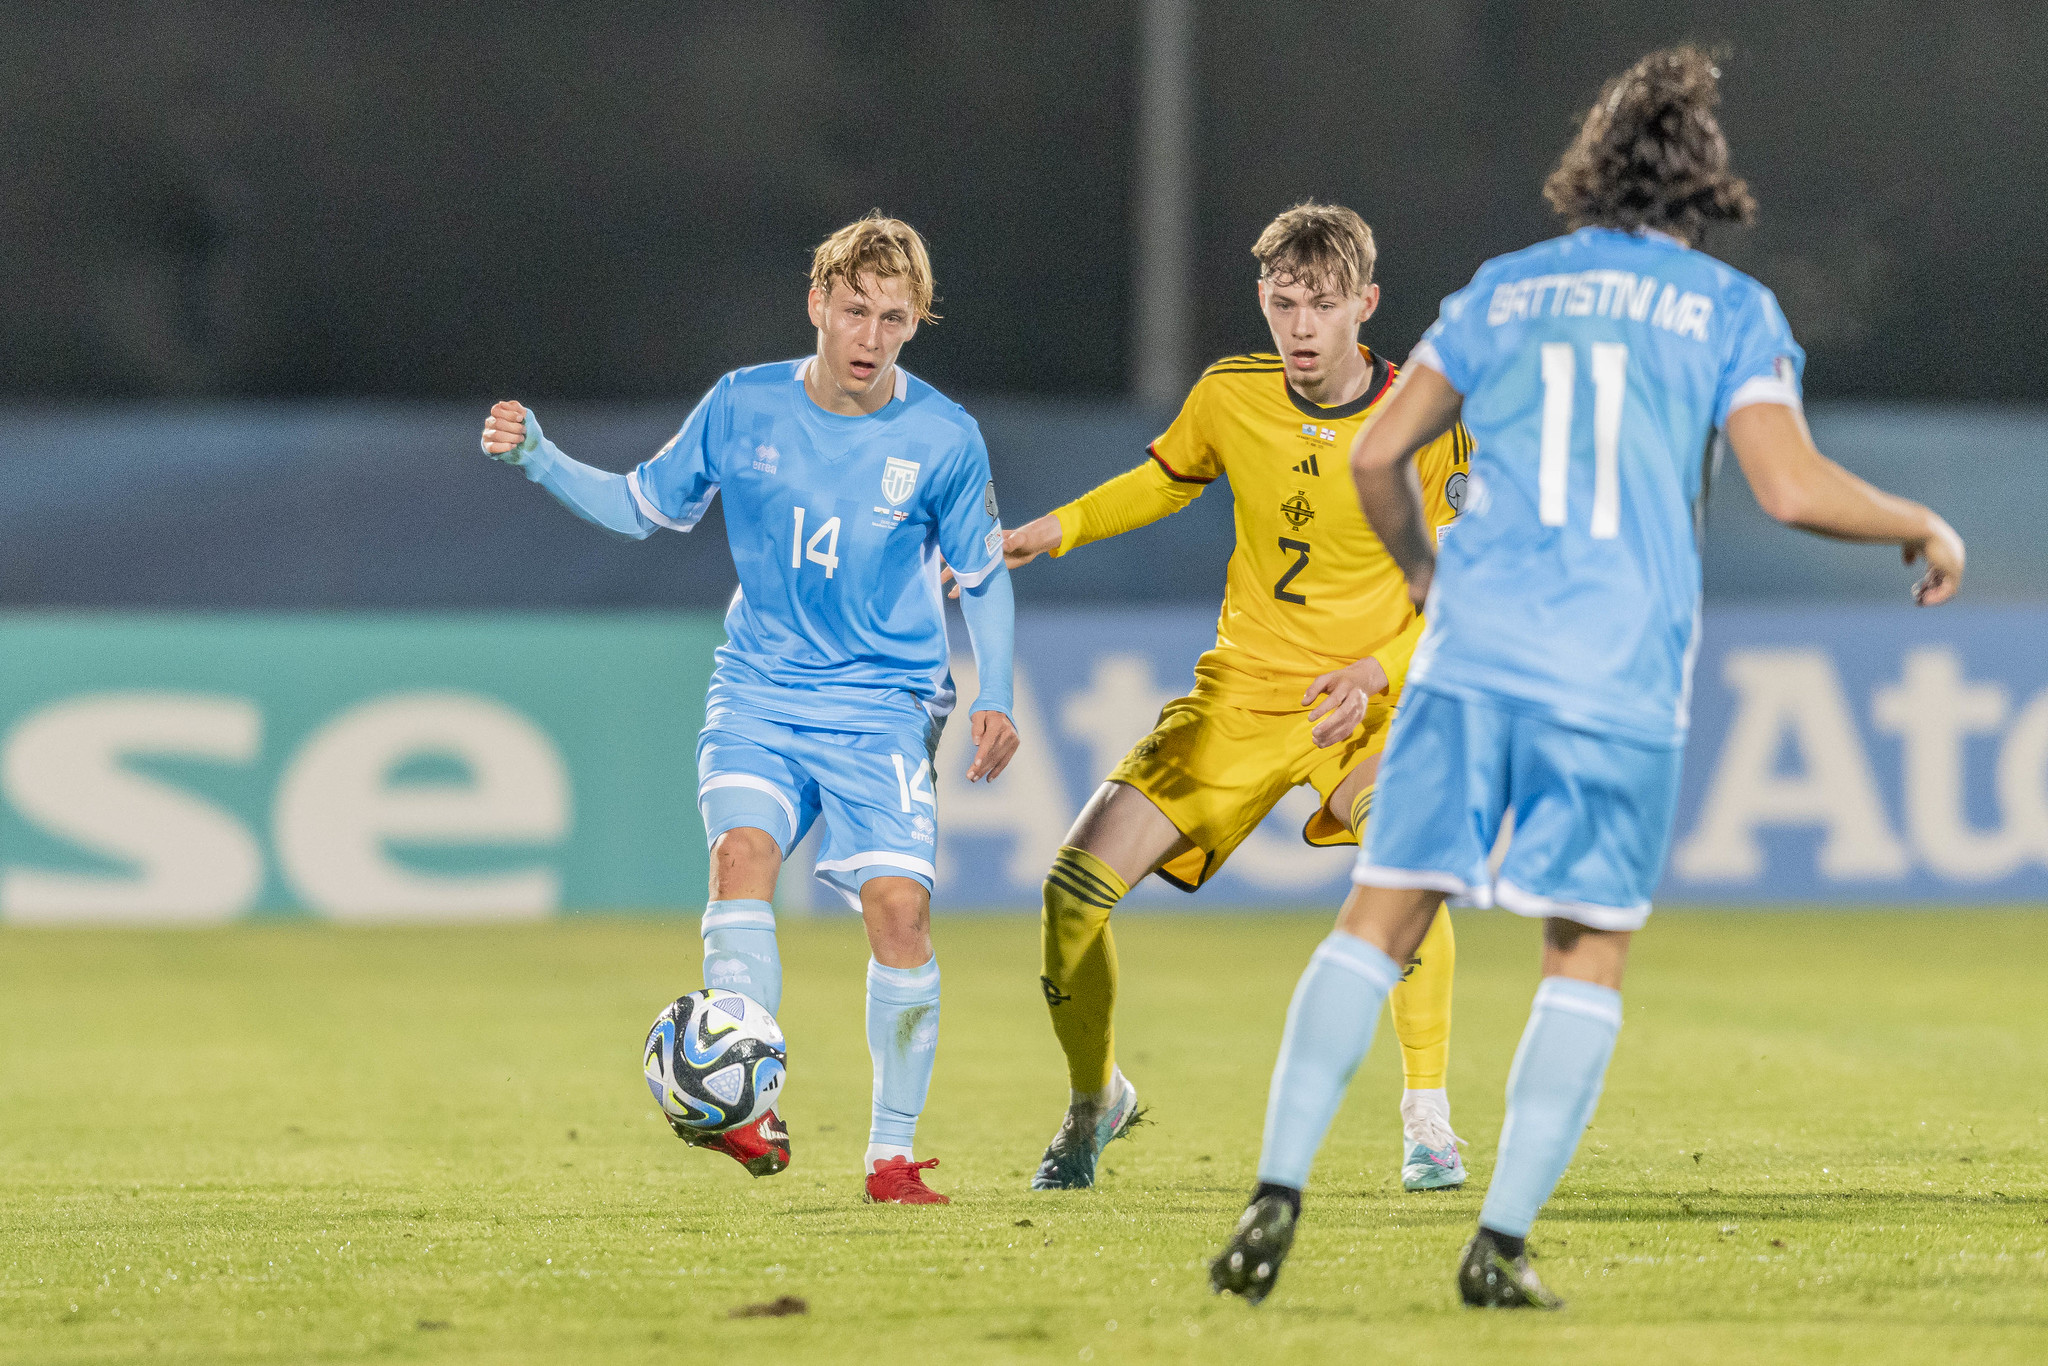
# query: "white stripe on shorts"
x,y
1585,913
748,780
1421,880
880,857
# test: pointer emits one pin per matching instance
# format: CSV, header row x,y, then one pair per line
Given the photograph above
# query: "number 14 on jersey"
x,y
800,550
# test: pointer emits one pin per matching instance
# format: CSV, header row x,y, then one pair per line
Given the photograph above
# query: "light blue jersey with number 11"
x,y
1594,369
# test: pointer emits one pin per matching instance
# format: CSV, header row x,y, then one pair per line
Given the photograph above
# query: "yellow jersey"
x,y
1310,588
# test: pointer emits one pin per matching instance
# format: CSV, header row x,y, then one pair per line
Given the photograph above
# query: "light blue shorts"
x,y
873,789
1592,814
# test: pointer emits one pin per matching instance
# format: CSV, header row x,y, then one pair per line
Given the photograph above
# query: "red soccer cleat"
x,y
896,1182
762,1148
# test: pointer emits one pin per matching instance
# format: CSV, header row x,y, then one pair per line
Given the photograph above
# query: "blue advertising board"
x,y
1841,754
192,769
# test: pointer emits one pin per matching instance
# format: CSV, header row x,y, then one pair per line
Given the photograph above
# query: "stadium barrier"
x,y
196,769
391,507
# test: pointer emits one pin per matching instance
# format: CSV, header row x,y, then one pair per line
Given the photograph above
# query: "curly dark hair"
x,y
1650,153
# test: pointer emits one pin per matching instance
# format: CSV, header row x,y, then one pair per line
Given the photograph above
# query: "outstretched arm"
x,y
1800,487
1137,497
1422,408
991,613
512,434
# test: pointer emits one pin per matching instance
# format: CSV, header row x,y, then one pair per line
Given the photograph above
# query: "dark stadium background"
x,y
258,261
614,201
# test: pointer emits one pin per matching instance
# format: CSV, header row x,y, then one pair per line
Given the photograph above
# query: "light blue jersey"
x,y
830,692
1594,368
836,526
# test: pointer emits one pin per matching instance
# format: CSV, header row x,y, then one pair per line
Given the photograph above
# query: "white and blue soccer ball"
x,y
715,1061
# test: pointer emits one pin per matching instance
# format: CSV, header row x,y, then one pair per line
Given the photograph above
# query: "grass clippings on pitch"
x,y
1822,1140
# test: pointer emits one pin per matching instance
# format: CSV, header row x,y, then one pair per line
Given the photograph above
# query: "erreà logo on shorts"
x,y
899,478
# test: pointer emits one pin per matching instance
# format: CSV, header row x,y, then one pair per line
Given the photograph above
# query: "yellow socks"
x,y
1080,964
1361,807
1422,1007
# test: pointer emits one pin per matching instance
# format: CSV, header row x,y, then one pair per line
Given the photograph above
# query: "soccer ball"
x,y
715,1061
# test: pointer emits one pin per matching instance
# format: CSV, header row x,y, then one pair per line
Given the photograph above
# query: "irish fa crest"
x,y
1297,510
899,479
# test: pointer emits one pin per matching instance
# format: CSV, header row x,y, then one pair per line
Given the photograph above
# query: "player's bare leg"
x,y
1119,838
1330,1024
1421,1011
1121,826
739,955
903,1034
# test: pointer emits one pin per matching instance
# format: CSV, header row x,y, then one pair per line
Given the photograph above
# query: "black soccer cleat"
x,y
1250,1262
1488,1278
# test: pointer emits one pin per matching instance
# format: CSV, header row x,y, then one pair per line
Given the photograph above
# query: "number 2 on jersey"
x,y
799,551
1553,470
1299,549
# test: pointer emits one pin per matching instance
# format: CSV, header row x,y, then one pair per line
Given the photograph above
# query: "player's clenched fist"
x,y
505,431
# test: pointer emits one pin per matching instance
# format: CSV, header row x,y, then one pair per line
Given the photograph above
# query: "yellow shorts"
x,y
1216,769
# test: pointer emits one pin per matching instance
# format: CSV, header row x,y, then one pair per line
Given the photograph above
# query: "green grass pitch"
x,y
1822,1140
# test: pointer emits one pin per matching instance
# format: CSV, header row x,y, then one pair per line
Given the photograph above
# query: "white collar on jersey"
x,y
1660,236
902,380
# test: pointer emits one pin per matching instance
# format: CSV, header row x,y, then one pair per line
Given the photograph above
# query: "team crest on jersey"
x,y
766,458
899,478
1297,510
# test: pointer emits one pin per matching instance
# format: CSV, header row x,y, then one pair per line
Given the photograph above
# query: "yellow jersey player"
x,y
1311,649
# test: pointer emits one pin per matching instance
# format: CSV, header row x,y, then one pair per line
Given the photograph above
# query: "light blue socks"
x,y
1330,1025
740,953
903,1040
1552,1089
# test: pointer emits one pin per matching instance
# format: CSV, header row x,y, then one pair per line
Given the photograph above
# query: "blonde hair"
x,y
886,248
1319,246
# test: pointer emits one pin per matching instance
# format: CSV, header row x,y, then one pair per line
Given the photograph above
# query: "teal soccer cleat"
x,y
1432,1169
1069,1161
1430,1160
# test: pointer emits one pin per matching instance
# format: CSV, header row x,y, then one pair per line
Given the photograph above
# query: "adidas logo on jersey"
x,y
1308,466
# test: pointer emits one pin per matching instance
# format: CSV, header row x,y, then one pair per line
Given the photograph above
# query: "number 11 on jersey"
x,y
1610,384
799,551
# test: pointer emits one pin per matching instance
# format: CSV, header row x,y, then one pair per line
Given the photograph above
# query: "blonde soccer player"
x,y
846,479
1311,649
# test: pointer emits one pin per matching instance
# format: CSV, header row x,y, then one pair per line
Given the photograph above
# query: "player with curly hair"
x,y
1554,677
